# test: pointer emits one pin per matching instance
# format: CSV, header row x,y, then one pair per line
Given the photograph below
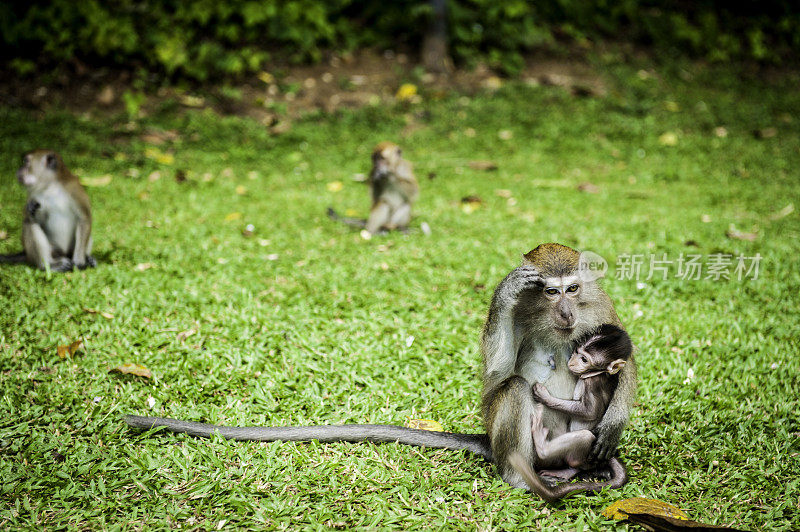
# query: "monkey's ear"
x,y
615,366
51,161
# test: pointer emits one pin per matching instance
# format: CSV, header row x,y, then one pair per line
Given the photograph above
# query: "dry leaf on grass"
x,y
786,211
425,424
656,515
469,204
734,233
132,369
69,350
765,133
589,188
483,165
620,509
106,315
100,181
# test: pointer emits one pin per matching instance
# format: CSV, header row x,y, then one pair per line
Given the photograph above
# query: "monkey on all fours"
x,y
597,359
394,190
537,314
57,221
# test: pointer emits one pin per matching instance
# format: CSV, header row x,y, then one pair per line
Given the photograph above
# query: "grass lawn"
x,y
305,322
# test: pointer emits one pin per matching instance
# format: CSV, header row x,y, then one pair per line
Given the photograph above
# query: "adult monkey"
x,y
536,313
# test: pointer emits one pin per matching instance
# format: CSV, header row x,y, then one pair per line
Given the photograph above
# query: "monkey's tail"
x,y
555,493
355,222
475,443
14,258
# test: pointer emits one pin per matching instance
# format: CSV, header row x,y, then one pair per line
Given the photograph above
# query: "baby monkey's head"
x,y
606,349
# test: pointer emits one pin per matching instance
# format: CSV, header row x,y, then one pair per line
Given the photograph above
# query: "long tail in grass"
x,y
353,222
475,443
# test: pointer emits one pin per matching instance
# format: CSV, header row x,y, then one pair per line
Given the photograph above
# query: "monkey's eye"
x,y
572,288
551,291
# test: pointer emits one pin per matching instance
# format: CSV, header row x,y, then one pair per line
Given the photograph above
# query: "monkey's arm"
x,y
609,430
475,443
587,408
499,344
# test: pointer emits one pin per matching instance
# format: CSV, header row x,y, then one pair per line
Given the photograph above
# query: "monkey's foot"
x,y
90,263
561,474
62,265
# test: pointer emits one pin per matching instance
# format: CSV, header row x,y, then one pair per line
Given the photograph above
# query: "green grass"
x,y
306,323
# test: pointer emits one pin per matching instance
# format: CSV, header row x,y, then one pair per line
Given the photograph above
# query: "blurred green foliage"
x,y
206,38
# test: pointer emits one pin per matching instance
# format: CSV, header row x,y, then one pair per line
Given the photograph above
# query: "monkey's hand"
x,y
605,445
521,279
90,263
31,207
540,393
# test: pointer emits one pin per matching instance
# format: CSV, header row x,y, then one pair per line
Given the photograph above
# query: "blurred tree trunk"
x,y
434,45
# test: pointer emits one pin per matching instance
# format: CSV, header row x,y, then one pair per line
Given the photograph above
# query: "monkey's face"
x,y
384,161
585,360
563,294
582,361
38,168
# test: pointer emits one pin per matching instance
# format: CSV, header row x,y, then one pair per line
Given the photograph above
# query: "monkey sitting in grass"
x,y
596,360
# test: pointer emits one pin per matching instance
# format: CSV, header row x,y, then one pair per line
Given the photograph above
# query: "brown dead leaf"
x,y
69,350
659,523
191,101
469,204
765,133
106,315
786,211
281,127
158,136
132,369
99,181
734,233
106,95
621,509
180,175
3,235
183,335
425,424
483,165
143,266
503,193
589,188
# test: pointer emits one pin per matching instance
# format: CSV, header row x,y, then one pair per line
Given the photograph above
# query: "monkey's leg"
x,y
400,217
510,429
571,448
378,216
39,251
83,245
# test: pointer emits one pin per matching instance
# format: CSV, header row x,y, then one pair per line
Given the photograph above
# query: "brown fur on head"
x,y
553,260
41,167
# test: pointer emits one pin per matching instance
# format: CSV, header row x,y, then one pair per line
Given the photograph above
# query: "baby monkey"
x,y
596,360
57,221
